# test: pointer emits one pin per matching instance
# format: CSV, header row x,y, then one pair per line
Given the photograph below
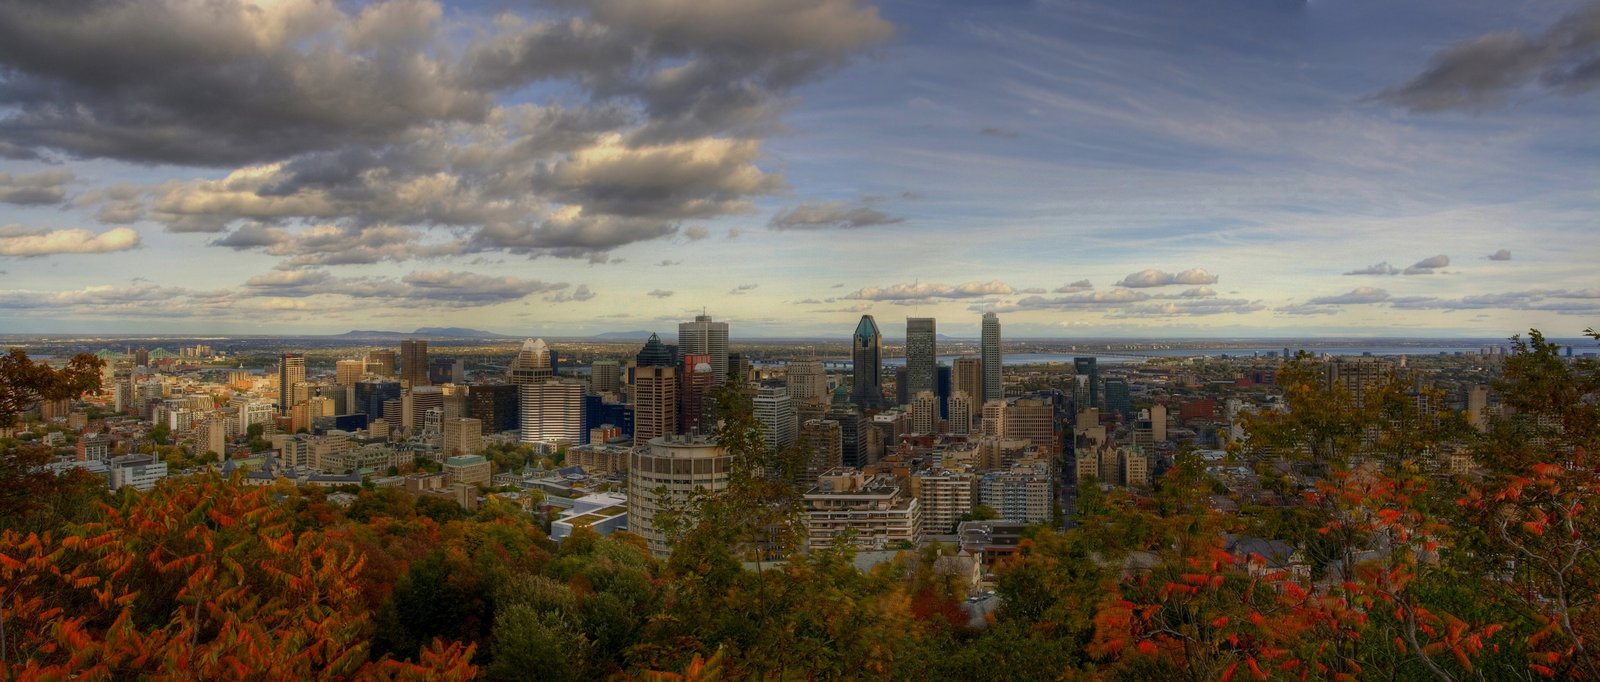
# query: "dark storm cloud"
x,y
162,81
1481,72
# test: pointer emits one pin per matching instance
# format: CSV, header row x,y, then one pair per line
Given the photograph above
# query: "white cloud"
x,y
1158,278
18,241
925,291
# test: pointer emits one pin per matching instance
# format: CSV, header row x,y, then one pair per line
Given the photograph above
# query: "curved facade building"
x,y
663,473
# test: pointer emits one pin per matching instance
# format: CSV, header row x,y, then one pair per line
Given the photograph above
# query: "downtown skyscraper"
x,y
867,364
922,356
704,337
291,371
989,352
414,363
655,392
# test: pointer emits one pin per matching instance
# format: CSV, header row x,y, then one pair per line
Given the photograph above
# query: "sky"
x,y
1084,169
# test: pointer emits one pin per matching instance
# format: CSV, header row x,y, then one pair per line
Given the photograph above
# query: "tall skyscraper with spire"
x,y
922,356
704,337
655,392
989,352
867,357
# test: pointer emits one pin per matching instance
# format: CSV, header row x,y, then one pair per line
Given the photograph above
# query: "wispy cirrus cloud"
x,y
831,215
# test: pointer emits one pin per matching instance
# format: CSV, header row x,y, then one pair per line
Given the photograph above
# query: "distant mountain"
x,y
615,336
438,332
457,333
370,334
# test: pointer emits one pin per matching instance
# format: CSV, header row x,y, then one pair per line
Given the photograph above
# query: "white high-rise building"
x,y
552,411
704,337
779,420
663,473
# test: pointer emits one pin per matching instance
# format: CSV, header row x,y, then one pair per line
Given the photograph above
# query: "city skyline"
x,y
1093,170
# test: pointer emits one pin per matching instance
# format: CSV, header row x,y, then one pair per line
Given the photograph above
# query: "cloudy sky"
x,y
1152,168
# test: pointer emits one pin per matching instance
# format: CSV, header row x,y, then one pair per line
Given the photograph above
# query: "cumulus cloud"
x,y
1482,72
669,263
1358,295
331,244
1074,287
1158,278
119,203
696,233
1379,268
831,215
582,293
742,289
1427,266
45,187
660,293
377,114
925,291
1502,254
18,241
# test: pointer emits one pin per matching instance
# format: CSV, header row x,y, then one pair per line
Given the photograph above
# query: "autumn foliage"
x,y
1374,561
205,580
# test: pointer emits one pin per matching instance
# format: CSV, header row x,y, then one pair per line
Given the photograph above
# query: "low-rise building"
x,y
141,472
469,469
868,512
602,513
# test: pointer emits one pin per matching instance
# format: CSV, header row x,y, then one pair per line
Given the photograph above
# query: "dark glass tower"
x,y
1086,367
867,353
990,353
922,352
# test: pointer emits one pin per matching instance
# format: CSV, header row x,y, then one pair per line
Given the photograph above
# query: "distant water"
x,y
1115,358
